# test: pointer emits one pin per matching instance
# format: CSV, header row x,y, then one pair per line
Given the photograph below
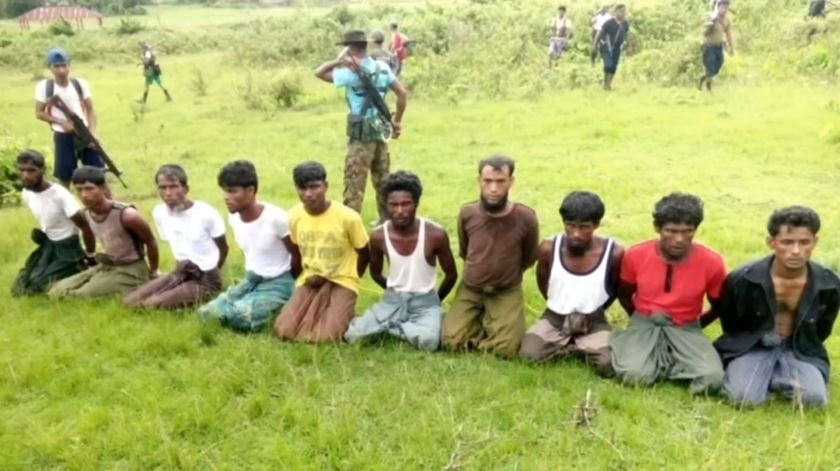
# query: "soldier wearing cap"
x,y
75,93
367,149
378,50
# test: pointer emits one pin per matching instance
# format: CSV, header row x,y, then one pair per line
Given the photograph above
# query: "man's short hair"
x,y
582,206
793,216
30,156
88,174
239,173
172,172
403,181
562,8
678,208
620,6
309,172
497,162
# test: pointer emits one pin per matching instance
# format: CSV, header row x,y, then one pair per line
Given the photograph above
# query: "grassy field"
x,y
89,385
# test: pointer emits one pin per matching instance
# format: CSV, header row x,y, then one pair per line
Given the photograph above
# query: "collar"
x,y
819,278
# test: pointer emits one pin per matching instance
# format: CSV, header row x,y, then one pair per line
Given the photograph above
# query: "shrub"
x,y
129,26
61,27
9,180
199,85
285,90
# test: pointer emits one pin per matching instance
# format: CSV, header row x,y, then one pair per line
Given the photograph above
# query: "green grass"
x,y
89,385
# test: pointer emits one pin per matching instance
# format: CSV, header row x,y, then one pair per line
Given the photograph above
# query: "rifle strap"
x,y
76,85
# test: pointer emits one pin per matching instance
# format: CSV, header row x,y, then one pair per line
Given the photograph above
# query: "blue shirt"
x,y
346,78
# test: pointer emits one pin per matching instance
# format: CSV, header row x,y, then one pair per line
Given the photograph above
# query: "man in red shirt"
x,y
663,283
399,41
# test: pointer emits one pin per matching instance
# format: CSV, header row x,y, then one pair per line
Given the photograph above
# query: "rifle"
x,y
384,113
83,134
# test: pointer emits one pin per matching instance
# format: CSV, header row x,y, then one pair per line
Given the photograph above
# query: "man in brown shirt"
x,y
498,241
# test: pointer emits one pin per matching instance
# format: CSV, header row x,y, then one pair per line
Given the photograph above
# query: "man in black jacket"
x,y
776,313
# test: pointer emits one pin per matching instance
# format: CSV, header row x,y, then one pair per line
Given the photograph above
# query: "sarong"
x,y
248,306
413,317
185,286
317,315
557,336
50,262
102,280
492,322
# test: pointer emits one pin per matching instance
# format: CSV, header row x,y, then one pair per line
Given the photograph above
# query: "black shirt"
x,y
614,33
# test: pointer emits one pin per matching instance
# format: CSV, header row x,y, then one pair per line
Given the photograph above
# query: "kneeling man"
x,y
411,307
663,283
333,247
776,313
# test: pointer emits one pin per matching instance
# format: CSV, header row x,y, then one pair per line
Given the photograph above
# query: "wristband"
x,y
90,254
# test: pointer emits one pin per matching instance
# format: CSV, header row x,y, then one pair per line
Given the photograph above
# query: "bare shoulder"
x,y
436,233
377,237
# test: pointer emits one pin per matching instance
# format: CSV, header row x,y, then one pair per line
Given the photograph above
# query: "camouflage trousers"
x,y
364,156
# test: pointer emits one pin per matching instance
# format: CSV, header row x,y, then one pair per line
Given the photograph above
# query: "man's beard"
x,y
576,250
494,207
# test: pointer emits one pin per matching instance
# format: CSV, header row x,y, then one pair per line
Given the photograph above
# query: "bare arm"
x,y
294,251
377,258
364,258
135,223
729,42
596,41
41,113
447,264
221,243
402,99
92,120
625,297
87,234
615,274
545,258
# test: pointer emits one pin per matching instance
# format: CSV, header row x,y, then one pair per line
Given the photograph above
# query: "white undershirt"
x,y
190,233
68,95
53,207
262,241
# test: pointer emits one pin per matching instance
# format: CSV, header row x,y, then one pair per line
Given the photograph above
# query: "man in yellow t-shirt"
x,y
333,247
716,35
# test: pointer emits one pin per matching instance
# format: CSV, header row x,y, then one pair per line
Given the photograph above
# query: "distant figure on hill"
x,y
561,34
610,40
151,71
399,47
718,33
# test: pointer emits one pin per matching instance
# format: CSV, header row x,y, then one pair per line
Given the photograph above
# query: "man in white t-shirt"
x,y
75,93
561,34
59,254
271,262
599,18
196,233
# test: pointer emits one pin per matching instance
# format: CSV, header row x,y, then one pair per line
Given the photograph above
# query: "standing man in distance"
x,y
561,34
598,19
75,93
411,309
151,71
367,149
610,39
718,33
498,241
399,45
379,52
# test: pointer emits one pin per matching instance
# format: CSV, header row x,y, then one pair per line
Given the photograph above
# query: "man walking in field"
x,y
561,34
261,230
776,313
578,275
663,283
610,40
399,48
718,33
59,254
333,245
598,19
126,238
75,93
498,241
151,71
367,149
378,52
411,309
196,234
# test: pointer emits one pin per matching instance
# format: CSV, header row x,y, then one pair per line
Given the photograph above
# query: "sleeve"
x,y
825,323
343,77
628,267
215,223
281,223
728,310
41,92
715,279
159,224
86,93
356,230
463,242
531,243
69,205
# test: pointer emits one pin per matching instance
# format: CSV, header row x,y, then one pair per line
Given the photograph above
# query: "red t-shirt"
x,y
701,274
398,46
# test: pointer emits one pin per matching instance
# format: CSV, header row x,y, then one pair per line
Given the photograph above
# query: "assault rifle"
x,y
373,95
88,139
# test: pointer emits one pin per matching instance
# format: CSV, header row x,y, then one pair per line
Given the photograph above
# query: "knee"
x,y
711,379
532,349
742,395
814,397
601,361
428,342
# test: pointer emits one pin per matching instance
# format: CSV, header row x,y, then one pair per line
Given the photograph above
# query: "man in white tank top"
x,y
410,309
578,274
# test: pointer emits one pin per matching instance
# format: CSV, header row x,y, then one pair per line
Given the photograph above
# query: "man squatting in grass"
x,y
663,283
366,146
610,40
333,247
776,313
59,253
261,230
196,234
411,308
578,275
717,34
75,93
125,236
498,241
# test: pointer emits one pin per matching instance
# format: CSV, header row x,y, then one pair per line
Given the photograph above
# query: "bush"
x,y
129,26
9,180
61,27
199,85
286,89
